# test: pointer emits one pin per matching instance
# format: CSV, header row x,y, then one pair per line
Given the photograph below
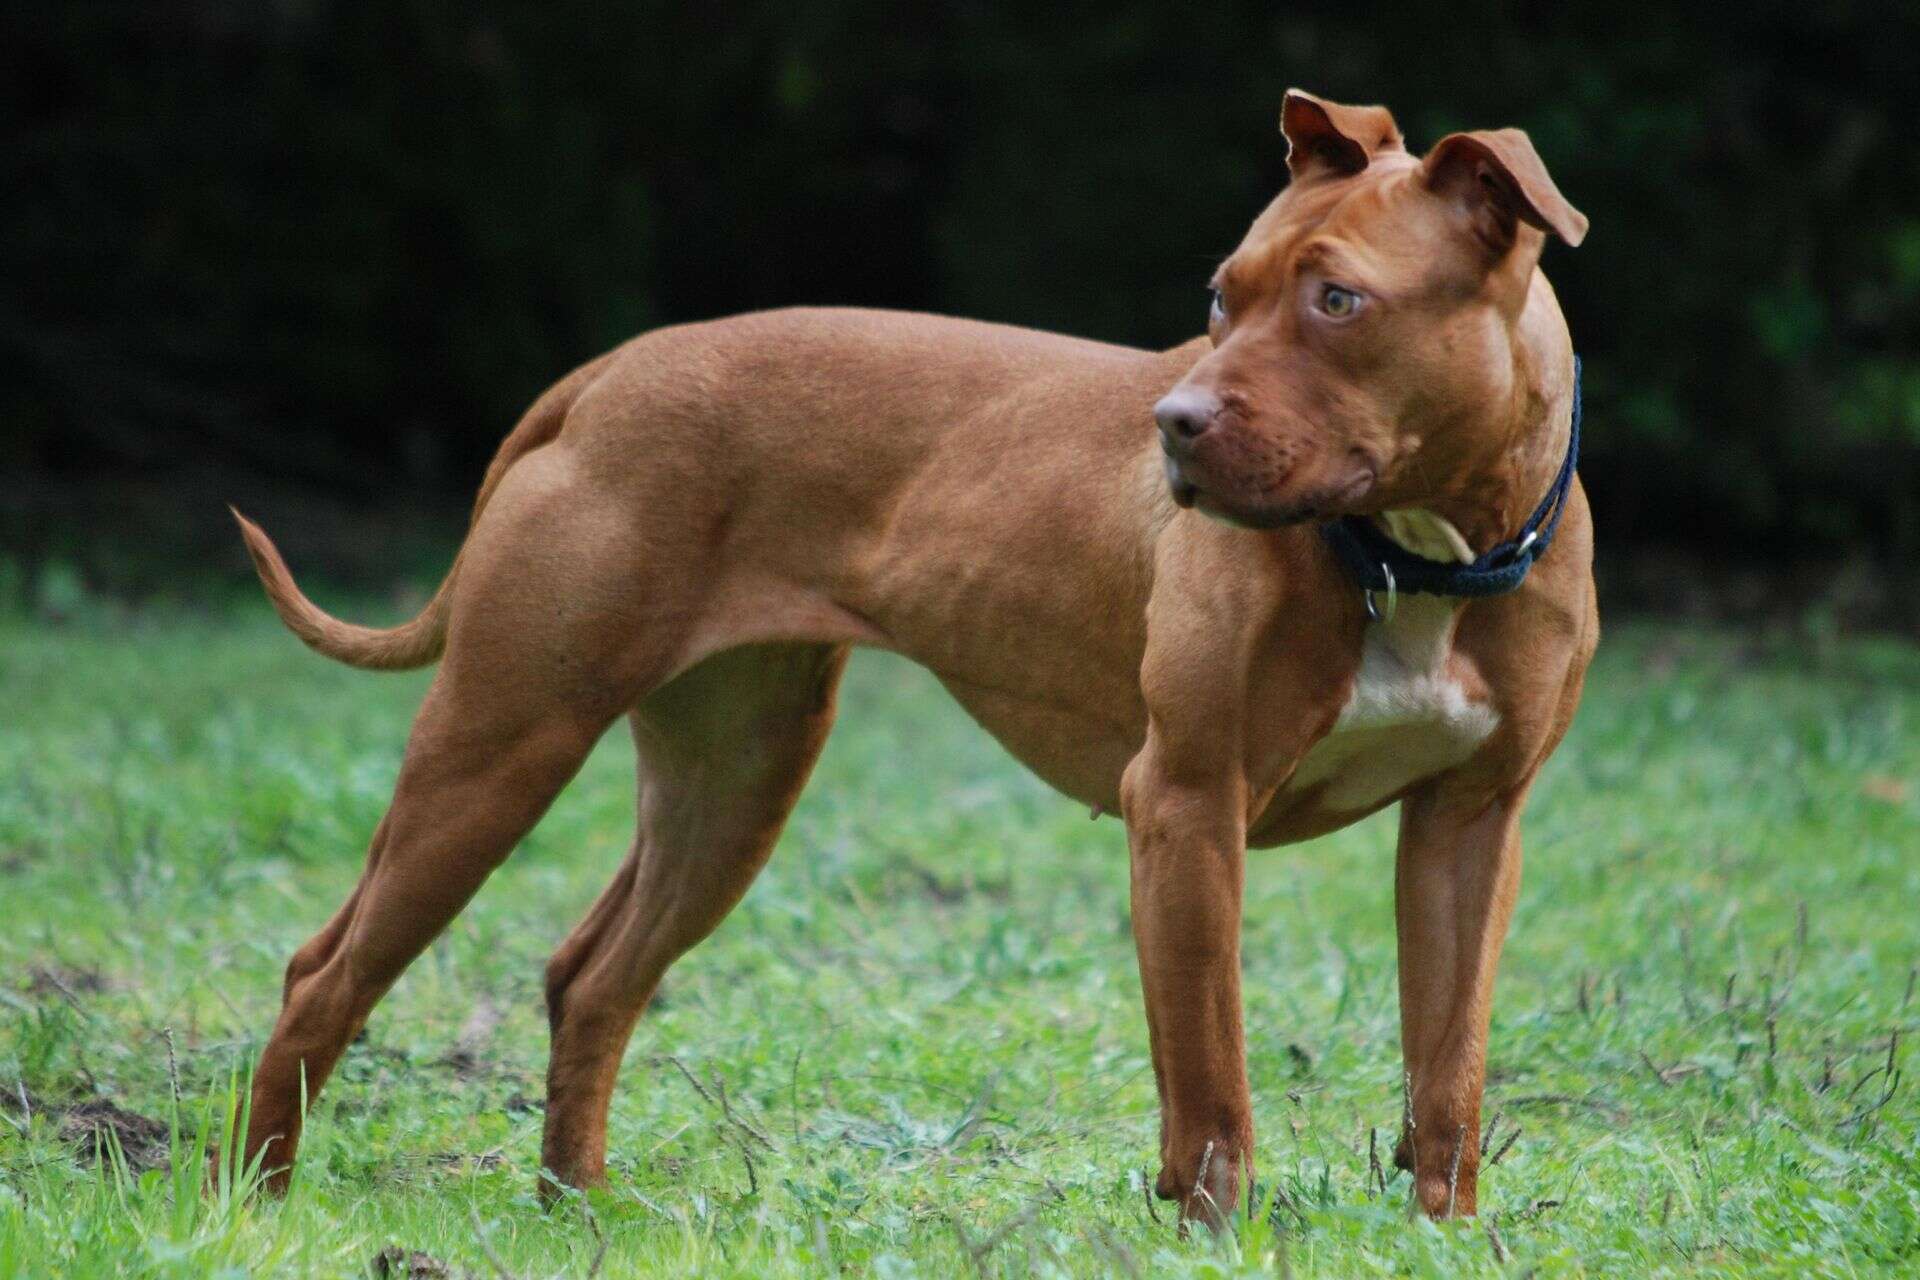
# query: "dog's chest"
x,y
1409,716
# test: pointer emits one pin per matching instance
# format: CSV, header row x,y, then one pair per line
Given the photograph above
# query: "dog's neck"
x,y
1487,509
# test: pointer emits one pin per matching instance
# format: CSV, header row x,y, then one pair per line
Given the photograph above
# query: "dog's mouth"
x,y
1185,492
1188,493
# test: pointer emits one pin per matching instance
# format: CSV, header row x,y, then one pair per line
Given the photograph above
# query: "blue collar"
x,y
1377,563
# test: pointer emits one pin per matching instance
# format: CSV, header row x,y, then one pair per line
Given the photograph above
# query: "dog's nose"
x,y
1184,413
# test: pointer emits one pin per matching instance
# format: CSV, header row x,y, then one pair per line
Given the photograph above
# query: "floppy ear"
x,y
1325,137
1496,176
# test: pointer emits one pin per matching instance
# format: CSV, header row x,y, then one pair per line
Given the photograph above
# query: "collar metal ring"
x,y
1393,598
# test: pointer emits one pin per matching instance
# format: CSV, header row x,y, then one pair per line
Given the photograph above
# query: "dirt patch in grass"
x,y
86,1126
142,1138
468,1057
395,1263
65,981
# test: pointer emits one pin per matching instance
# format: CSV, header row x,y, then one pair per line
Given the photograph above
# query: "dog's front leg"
x,y
1187,832
1457,876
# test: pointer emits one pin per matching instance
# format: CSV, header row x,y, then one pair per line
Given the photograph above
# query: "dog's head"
x,y
1367,328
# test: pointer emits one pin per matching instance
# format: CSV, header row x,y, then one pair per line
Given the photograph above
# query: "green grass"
x,y
926,1012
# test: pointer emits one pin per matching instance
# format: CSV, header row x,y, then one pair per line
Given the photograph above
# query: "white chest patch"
x,y
1407,718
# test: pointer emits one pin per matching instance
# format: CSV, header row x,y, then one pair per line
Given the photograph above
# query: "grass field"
x,y
918,1048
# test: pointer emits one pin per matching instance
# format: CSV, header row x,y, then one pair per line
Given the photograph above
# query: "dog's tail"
x,y
402,648
421,640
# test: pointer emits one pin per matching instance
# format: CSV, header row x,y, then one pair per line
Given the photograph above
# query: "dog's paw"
x,y
1206,1194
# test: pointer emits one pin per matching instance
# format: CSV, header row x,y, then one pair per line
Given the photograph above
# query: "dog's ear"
x,y
1496,177
1326,137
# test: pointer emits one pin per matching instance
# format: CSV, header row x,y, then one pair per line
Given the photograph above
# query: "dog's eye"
x,y
1217,310
1339,303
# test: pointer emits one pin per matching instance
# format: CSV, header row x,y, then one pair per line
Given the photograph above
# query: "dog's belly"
x,y
1411,715
1079,748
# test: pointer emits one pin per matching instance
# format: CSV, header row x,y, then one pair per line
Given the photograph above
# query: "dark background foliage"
x,y
267,247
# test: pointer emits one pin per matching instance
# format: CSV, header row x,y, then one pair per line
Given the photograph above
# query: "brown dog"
x,y
694,530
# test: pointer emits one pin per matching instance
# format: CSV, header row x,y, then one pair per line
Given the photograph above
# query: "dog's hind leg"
x,y
540,660
724,751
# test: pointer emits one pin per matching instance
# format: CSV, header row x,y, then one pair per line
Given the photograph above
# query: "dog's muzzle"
x,y
1184,414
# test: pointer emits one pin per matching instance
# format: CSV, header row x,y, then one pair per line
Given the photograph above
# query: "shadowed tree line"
x,y
342,245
